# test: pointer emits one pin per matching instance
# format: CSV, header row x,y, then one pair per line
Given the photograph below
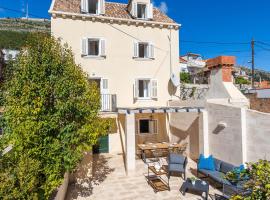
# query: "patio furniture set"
x,y
164,160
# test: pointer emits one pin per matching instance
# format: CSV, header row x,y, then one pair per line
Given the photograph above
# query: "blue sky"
x,y
203,21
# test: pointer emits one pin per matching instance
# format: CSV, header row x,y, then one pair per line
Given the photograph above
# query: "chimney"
x,y
225,63
222,89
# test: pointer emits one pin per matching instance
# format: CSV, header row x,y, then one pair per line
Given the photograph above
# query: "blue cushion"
x,y
239,169
226,167
206,163
176,158
176,168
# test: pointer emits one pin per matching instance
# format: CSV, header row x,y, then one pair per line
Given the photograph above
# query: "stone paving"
x,y
108,180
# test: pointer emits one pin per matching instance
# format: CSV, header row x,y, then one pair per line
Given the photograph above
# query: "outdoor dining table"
x,y
158,146
161,146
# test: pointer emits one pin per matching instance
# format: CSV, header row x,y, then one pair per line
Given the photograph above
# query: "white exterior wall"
x,y
258,136
225,144
119,67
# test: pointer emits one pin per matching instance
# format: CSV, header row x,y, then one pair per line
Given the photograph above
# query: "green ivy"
x,y
259,181
50,119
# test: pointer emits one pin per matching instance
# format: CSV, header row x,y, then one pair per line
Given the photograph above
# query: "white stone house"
x,y
132,52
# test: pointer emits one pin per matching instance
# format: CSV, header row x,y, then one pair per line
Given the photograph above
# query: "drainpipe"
x,y
170,40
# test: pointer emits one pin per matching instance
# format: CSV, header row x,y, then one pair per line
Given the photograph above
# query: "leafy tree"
x,y
50,119
185,77
259,182
241,81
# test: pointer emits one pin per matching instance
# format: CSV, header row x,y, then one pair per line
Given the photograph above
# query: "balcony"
x,y
108,103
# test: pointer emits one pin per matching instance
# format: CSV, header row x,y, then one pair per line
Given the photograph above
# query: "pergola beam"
x,y
160,110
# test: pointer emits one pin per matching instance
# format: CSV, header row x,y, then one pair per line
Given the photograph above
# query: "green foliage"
x,y
241,81
185,77
259,182
12,39
50,119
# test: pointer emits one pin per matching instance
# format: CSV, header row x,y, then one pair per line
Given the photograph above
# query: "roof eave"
x,y
52,12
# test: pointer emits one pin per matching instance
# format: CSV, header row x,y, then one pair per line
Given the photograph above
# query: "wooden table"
x,y
153,146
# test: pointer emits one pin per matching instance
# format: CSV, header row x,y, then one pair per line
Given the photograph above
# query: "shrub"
x,y
50,119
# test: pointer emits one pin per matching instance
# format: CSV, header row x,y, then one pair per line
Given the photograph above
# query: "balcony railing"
x,y
108,103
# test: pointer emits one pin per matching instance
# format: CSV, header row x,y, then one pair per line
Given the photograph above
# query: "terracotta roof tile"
x,y
116,10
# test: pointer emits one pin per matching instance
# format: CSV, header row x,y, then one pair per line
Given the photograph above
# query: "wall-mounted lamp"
x,y
221,125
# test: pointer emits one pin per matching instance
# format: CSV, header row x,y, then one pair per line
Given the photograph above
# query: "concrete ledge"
x,y
62,190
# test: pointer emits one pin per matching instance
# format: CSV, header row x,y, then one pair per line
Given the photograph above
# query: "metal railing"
x,y
108,103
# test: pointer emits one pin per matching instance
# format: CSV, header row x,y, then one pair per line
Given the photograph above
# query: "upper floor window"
x,y
141,11
143,50
93,47
93,6
145,89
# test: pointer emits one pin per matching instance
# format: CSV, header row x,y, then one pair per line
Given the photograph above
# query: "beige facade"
x,y
118,66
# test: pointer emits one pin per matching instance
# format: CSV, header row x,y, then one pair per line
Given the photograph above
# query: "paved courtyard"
x,y
103,177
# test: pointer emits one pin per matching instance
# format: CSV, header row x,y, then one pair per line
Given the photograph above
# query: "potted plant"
x,y
193,180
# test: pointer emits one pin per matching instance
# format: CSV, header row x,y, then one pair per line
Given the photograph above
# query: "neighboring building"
x,y
132,52
259,99
10,54
264,85
195,65
238,72
183,65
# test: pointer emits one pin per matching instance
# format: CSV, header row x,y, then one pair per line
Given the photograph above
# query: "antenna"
x,y
27,15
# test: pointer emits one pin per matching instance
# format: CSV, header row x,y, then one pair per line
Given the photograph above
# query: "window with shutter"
x,y
93,47
142,11
147,126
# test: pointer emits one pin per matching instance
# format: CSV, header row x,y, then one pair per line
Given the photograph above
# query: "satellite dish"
x,y
175,80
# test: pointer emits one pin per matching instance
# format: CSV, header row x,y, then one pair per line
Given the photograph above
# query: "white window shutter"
x,y
150,11
101,7
136,50
102,47
151,50
154,86
136,89
104,86
134,9
84,6
153,126
84,47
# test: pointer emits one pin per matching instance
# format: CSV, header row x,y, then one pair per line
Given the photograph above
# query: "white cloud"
x,y
163,7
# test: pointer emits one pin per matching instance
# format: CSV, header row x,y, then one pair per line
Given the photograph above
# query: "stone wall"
x,y
258,136
259,104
